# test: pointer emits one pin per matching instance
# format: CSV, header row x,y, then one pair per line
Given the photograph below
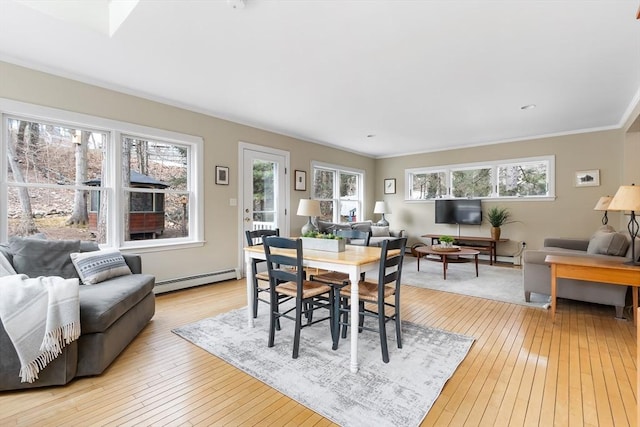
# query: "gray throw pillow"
x,y
37,257
379,231
607,243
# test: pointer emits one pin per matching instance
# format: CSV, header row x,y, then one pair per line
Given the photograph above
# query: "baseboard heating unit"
x,y
196,280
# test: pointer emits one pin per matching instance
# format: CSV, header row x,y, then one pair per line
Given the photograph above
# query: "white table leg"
x,y
354,277
249,276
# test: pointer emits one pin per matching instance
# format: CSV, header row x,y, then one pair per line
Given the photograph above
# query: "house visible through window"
x,y
76,182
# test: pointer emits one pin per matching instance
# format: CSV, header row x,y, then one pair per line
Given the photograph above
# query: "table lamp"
x,y
309,208
381,208
603,205
627,198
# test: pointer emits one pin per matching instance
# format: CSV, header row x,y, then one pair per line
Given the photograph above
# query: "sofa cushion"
x,y
637,248
37,257
362,226
97,266
608,243
104,303
380,231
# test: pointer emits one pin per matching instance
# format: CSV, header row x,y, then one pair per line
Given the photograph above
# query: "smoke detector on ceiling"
x,y
236,4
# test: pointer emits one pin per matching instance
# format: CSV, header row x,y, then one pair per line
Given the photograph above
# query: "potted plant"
x,y
497,217
446,241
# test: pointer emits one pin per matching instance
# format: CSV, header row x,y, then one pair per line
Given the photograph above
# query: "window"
x,y
516,178
340,192
71,176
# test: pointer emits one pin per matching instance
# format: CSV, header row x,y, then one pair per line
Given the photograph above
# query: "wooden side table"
x,y
593,270
487,244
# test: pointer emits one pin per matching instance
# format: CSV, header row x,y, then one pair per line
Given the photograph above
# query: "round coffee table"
x,y
448,256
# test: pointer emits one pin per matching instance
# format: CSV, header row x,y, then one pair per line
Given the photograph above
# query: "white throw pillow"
x,y
97,266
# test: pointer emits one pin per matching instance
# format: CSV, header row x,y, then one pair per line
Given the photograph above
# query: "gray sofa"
x,y
378,233
605,243
112,312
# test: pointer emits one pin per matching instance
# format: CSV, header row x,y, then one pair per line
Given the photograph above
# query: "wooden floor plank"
x,y
522,370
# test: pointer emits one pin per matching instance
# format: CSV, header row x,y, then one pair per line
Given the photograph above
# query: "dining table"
x,y
354,260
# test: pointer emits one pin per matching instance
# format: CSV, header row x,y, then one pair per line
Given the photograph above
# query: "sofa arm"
x,y
565,243
400,233
134,262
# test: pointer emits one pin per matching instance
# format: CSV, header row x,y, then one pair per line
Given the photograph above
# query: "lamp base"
x,y
383,222
308,227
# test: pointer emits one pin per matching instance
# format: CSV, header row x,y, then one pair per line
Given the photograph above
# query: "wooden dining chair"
x,y
255,237
377,293
288,278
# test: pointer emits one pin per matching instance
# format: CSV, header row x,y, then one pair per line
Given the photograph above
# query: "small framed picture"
x,y
301,180
222,175
390,186
590,178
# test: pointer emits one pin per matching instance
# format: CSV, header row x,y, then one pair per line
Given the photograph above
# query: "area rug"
x,y
493,282
399,393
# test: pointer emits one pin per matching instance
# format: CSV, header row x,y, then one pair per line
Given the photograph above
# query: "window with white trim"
x,y
532,177
340,191
72,176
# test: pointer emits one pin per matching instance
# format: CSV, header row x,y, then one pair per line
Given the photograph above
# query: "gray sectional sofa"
x,y
378,233
112,312
605,243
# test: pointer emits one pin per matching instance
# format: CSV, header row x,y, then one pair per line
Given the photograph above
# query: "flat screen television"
x,y
458,211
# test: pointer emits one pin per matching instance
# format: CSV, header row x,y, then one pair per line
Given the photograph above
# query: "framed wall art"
x,y
222,175
301,180
590,178
390,186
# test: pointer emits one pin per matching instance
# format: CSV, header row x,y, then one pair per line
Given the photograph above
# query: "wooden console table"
x,y
484,244
593,270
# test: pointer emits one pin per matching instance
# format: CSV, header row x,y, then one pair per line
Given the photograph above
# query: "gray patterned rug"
x,y
497,283
399,393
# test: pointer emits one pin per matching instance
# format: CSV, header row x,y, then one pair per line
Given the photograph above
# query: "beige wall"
x,y
615,153
221,138
571,214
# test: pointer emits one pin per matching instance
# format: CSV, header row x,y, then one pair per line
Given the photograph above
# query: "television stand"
x,y
482,244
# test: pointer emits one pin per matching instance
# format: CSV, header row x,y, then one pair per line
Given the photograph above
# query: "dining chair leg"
x,y
398,321
334,295
273,310
382,326
361,317
296,336
345,317
255,300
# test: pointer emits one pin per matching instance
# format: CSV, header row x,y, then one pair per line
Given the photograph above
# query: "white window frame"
x,y
493,165
336,186
115,131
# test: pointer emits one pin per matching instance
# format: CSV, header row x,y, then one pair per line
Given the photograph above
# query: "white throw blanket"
x,y
41,315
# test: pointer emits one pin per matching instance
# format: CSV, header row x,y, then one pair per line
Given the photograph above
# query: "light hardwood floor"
x,y
522,370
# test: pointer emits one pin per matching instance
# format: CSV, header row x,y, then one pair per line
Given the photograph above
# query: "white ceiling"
x,y
419,75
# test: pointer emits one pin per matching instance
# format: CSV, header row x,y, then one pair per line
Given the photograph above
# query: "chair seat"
x,y
263,276
368,291
309,289
332,277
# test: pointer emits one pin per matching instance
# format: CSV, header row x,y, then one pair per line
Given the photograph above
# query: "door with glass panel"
x,y
264,197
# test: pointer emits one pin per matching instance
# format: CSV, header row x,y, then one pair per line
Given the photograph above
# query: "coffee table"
x,y
448,256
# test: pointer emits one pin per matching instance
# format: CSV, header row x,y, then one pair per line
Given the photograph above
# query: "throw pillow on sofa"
x,y
608,243
38,257
380,231
98,266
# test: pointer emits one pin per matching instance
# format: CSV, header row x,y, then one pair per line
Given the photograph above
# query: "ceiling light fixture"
x,y
236,4
528,107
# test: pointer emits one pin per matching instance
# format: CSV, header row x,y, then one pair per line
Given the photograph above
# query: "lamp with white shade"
x,y
627,198
603,205
309,208
381,208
